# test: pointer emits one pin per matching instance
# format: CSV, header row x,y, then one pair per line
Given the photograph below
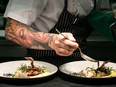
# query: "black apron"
x,y
66,23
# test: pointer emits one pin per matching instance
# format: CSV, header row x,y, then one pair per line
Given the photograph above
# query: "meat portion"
x,y
33,70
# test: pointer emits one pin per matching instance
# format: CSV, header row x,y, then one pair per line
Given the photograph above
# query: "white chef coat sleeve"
x,y
25,11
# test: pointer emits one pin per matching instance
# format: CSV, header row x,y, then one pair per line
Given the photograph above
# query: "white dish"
x,y
77,66
12,66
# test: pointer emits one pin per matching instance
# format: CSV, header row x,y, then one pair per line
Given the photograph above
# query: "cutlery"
x,y
84,56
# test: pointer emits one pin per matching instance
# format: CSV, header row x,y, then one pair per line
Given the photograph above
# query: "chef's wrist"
x,y
50,40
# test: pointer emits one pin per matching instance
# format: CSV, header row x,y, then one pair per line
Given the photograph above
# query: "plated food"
x,y
100,72
26,69
87,69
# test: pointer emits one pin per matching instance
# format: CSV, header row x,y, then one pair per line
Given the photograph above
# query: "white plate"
x,y
77,66
11,67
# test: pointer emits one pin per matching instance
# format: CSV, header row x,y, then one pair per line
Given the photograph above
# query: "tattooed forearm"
x,y
23,35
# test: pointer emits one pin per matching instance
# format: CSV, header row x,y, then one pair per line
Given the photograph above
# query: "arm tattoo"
x,y
25,36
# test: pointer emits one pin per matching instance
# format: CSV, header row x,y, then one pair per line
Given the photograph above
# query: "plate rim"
x,y
67,73
52,73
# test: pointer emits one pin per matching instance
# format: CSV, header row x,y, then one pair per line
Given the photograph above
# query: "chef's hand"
x,y
62,45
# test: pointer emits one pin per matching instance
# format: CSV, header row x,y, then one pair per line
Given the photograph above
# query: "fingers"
x,y
65,47
69,36
69,40
64,52
62,45
70,43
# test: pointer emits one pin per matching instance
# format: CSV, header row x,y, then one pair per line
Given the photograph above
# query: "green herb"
x,y
23,67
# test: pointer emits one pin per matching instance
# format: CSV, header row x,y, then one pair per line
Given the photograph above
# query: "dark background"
x,y
3,4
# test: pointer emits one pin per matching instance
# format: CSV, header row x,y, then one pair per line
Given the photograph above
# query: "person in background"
x,y
33,24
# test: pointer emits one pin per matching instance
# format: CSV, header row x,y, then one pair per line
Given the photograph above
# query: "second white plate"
x,y
78,66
